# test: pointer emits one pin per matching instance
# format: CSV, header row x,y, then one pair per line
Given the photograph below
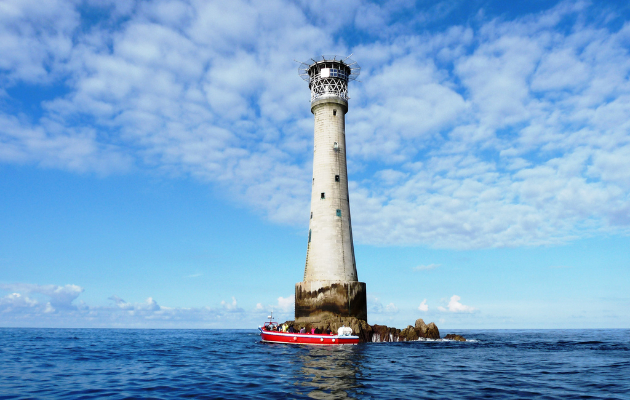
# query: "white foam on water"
x,y
445,340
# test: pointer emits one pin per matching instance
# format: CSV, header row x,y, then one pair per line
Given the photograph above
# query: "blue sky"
x,y
155,161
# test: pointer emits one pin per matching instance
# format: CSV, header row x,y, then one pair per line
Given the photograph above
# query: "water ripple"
x,y
213,364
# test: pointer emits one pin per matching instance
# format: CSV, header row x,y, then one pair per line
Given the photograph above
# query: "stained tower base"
x,y
315,300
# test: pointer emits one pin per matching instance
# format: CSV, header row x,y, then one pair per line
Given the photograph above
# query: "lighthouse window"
x,y
336,73
311,215
338,213
336,178
309,236
334,112
323,195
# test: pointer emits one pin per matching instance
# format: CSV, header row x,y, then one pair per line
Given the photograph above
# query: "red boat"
x,y
271,332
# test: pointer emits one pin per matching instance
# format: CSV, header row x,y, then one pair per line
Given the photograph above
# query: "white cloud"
x,y
423,306
426,267
232,307
149,305
152,305
514,132
120,303
50,144
374,305
35,38
286,304
16,300
455,306
49,308
459,199
52,306
60,296
283,309
391,308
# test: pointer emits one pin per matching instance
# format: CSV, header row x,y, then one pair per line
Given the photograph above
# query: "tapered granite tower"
x,y
331,285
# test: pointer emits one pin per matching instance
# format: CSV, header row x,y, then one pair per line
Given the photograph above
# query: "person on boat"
x,y
284,327
302,330
312,331
291,329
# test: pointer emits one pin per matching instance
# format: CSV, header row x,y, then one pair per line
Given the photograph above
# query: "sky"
x,y
156,159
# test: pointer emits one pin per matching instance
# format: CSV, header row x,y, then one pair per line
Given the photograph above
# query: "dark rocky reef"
x,y
452,336
381,333
372,333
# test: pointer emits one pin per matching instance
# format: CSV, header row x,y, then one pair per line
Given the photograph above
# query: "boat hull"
x,y
306,338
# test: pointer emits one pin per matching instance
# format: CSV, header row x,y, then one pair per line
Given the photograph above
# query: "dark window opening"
x,y
311,215
334,112
336,178
323,195
336,146
338,213
309,236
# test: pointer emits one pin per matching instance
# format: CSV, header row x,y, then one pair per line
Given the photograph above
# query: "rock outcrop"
x,y
382,333
371,333
452,336
430,331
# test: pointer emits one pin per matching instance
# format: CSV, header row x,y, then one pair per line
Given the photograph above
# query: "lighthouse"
x,y
331,286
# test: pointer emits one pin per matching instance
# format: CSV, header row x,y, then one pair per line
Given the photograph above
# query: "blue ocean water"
x,y
215,364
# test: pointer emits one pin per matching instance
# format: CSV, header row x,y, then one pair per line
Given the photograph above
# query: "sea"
x,y
234,364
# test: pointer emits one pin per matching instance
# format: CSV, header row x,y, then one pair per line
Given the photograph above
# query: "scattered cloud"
x,y
286,304
16,300
391,308
284,308
53,305
58,296
148,306
506,132
375,306
455,306
423,306
231,307
120,303
426,267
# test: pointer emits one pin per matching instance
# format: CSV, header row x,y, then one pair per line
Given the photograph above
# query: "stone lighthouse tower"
x,y
331,285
